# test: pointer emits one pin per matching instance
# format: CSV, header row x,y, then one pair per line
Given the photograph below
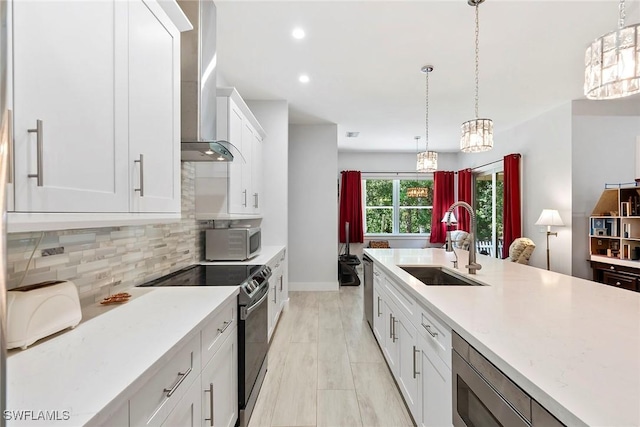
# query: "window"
x,y
488,197
388,209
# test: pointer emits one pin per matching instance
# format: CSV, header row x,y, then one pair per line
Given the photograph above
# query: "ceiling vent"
x,y
352,134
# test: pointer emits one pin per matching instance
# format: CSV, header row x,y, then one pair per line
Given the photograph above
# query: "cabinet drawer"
x,y
217,330
154,401
437,334
399,296
619,280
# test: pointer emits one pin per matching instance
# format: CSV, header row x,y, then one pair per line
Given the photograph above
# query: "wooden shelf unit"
x,y
614,238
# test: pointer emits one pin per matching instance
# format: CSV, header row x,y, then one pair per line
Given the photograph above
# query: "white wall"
x,y
274,118
603,151
545,145
389,162
313,207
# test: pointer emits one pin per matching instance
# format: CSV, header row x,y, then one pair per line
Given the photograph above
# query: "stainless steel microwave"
x,y
232,244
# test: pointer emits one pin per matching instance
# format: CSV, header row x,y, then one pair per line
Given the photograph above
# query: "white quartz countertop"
x,y
89,369
265,255
572,344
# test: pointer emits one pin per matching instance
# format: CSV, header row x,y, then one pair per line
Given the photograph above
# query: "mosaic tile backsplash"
x,y
103,261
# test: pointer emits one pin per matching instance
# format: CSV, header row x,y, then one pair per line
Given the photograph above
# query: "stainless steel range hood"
x,y
198,86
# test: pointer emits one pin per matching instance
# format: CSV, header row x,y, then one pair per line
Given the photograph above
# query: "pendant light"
x,y
612,62
477,134
415,192
427,160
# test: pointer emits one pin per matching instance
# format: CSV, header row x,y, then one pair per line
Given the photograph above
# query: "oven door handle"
x,y
246,311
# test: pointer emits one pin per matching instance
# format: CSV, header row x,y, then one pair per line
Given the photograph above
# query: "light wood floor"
x,y
326,369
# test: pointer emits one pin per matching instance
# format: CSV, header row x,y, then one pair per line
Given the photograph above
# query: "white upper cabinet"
x,y
96,110
70,106
154,110
232,190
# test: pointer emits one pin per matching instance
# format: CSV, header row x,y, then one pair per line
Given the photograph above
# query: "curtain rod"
x,y
397,173
486,164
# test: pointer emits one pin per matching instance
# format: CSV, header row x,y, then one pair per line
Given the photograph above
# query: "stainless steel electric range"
x,y
252,324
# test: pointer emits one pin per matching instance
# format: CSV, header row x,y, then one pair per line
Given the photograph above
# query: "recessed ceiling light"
x,y
298,33
352,134
303,78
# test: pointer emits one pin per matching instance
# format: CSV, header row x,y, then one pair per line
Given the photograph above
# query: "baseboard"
x,y
314,286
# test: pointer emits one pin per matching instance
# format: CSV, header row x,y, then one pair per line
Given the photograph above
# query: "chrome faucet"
x,y
473,265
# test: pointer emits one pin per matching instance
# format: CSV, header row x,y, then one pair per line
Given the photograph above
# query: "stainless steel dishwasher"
x,y
368,289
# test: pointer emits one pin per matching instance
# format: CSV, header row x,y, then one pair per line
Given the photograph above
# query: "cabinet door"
x,y
188,411
408,360
220,385
256,173
70,76
237,195
248,137
390,348
378,318
435,393
283,294
273,306
154,111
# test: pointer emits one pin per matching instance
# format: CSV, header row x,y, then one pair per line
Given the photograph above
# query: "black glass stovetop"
x,y
207,275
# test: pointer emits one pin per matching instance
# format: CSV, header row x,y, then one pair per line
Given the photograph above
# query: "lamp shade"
x,y
449,215
550,217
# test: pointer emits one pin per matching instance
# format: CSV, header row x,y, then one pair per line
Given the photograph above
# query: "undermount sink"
x,y
437,276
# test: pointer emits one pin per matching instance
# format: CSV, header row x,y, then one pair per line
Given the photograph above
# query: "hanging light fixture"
x,y
427,160
415,192
477,134
612,62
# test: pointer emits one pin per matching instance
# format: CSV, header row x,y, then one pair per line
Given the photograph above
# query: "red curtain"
x,y
443,197
464,195
512,215
351,207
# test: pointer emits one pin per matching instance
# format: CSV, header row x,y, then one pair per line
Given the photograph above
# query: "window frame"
x,y
395,202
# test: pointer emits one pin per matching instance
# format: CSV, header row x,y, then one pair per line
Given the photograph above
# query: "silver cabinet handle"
x,y
618,283
428,328
210,391
281,280
390,326
375,273
415,350
141,189
40,142
182,376
255,200
379,312
275,294
10,146
612,267
395,337
244,193
225,325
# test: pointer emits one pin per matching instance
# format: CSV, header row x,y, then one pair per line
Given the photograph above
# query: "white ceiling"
x,y
364,60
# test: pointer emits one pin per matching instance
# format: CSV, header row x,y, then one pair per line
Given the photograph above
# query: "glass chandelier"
x,y
477,134
427,160
416,192
612,62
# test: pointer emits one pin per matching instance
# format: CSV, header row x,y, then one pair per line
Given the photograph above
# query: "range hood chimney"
x,y
198,86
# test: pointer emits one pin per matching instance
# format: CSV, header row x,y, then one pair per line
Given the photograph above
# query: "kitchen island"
x,y
571,344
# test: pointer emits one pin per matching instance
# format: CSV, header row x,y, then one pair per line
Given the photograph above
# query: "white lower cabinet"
x,y
219,385
198,386
434,388
187,412
417,348
278,289
378,318
407,370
